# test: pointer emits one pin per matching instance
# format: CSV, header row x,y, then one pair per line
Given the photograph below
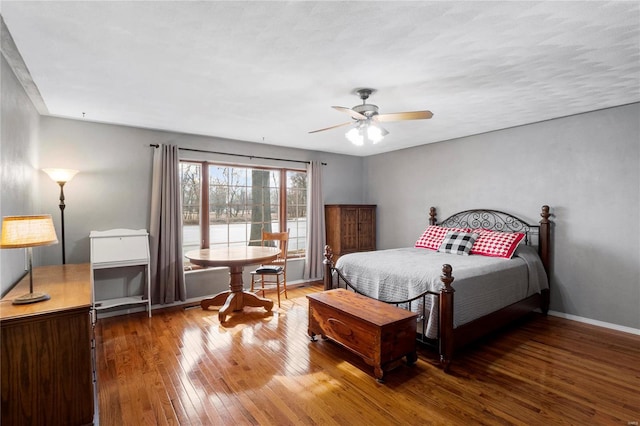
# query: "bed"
x,y
492,288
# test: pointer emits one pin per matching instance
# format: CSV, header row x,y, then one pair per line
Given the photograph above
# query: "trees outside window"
x,y
239,202
296,209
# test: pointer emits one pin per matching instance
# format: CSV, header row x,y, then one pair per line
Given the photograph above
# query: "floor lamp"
x,y
28,232
61,176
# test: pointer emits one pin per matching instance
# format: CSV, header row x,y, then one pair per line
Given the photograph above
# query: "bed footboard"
x,y
444,343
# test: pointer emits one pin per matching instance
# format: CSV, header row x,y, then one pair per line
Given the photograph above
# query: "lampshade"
x,y
61,175
27,231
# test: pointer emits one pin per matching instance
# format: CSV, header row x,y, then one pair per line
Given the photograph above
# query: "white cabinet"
x,y
119,248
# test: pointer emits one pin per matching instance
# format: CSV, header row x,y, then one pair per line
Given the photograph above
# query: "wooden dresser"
x,y
350,228
47,370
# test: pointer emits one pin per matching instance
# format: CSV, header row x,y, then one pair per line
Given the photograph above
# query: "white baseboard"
x,y
596,322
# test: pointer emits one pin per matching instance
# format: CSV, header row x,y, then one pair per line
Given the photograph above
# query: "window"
x,y
240,202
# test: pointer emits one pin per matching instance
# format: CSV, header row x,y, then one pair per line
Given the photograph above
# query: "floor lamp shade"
x,y
61,175
28,232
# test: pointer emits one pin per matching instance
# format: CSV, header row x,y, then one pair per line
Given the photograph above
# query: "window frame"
x,y
204,222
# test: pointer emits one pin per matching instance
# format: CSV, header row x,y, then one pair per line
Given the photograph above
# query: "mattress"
x,y
482,284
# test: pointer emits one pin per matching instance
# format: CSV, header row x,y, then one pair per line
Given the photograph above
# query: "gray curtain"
x,y
165,234
315,223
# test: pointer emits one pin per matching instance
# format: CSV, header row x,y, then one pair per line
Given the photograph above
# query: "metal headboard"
x,y
492,219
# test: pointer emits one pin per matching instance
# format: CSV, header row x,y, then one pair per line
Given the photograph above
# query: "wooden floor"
x,y
181,367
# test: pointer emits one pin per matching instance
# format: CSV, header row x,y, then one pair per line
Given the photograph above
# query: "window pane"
x,y
190,181
264,199
297,211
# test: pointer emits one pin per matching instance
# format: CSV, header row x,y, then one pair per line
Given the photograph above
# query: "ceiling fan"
x,y
366,119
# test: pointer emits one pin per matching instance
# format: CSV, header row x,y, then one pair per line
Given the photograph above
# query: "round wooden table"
x,y
236,298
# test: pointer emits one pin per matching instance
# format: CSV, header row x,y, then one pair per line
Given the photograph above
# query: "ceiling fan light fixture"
x,y
355,136
374,133
366,129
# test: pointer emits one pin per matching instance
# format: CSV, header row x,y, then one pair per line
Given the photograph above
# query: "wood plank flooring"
x,y
181,367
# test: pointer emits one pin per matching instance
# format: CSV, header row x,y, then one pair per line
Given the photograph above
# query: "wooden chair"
x,y
270,279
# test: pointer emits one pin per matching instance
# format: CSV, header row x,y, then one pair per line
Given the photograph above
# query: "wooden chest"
x,y
376,331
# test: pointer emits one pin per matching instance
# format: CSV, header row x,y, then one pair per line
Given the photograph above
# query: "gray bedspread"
x,y
482,284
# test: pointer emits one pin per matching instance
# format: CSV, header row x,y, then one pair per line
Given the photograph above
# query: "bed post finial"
x,y
432,216
446,277
446,318
545,214
328,254
328,265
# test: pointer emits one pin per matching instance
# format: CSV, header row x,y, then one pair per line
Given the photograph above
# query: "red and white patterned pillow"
x,y
496,243
433,236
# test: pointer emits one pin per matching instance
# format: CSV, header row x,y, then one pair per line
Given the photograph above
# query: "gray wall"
x,y
112,189
18,157
113,186
586,167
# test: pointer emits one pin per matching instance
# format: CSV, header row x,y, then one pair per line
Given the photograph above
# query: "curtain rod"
x,y
239,155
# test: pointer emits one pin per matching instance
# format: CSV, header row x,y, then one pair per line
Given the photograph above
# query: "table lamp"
x,y
27,232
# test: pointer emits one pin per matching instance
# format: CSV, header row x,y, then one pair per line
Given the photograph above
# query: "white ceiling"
x,y
270,71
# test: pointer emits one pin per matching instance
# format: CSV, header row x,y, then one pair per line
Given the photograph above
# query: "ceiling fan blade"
x,y
400,116
351,112
332,127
